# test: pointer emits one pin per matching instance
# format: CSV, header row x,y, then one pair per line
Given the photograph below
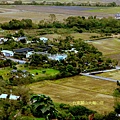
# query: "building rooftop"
x,y
8,51
21,50
11,97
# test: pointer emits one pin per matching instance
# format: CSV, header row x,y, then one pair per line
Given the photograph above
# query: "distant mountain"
x,y
79,1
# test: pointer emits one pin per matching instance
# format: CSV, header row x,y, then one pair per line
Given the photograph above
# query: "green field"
x,y
4,72
48,72
109,10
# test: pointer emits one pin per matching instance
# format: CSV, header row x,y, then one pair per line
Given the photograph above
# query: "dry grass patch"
x,y
114,75
107,46
37,13
77,89
84,36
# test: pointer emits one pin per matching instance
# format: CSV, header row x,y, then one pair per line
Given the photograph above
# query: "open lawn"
x,y
92,93
40,72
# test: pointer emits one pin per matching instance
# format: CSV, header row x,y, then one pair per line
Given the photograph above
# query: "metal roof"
x,y
21,50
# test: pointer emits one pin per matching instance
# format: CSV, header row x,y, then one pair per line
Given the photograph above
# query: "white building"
x,y
11,97
44,39
7,53
2,40
29,54
117,16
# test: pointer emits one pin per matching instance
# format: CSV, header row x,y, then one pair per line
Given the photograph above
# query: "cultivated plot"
x,y
92,93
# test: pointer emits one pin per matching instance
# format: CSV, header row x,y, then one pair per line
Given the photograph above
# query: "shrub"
x,y
44,71
14,67
36,73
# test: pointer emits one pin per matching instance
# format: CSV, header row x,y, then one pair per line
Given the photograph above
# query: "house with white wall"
x,y
7,53
44,39
117,16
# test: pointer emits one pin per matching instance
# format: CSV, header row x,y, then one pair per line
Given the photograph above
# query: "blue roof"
x,y
57,57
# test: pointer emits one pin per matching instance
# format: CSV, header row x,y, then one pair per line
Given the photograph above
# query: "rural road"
x,y
90,74
16,60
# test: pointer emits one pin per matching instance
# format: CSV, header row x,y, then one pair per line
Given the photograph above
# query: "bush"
x,y
1,77
80,110
14,67
44,71
36,73
64,106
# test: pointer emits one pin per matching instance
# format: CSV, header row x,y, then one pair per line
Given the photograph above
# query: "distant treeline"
x,y
98,4
77,24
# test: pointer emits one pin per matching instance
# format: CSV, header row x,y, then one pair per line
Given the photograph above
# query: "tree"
x,y
9,109
116,94
42,106
38,60
52,17
19,2
12,109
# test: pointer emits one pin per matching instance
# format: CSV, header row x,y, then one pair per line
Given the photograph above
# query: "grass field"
x,y
83,36
37,13
108,46
4,71
49,72
75,89
114,75
108,10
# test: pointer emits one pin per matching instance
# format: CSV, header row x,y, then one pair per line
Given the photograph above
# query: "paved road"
x,y
100,77
16,60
